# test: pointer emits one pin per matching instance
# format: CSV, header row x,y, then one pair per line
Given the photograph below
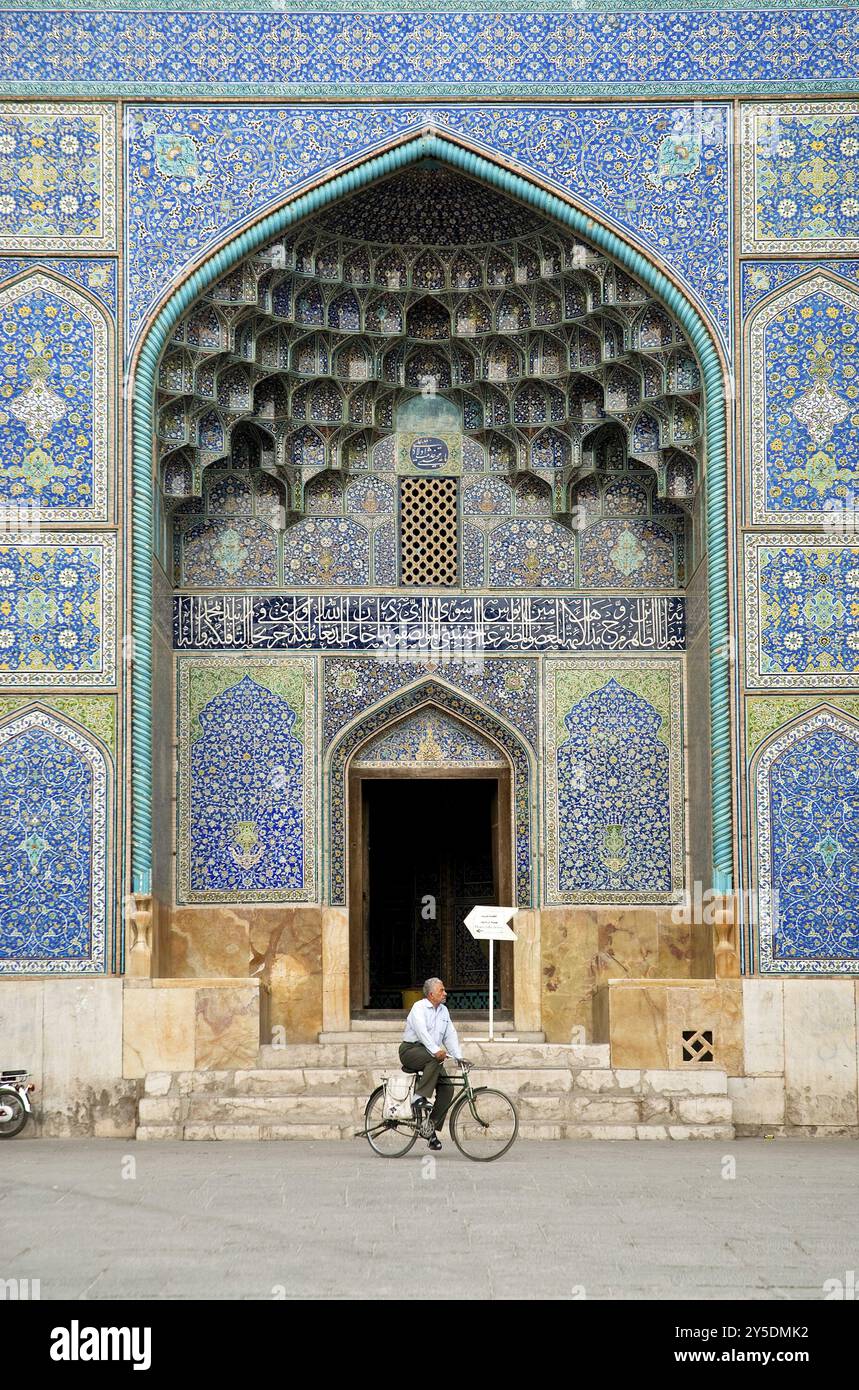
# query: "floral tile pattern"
x,y
270,50
802,606
760,278
57,177
57,610
55,409
428,739
247,822
804,402
800,177
614,782
807,844
659,172
98,275
54,831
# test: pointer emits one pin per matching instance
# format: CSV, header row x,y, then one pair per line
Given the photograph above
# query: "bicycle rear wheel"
x,y
390,1138
485,1125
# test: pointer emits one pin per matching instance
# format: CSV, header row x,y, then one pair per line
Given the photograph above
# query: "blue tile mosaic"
x,y
505,684
57,610
247,807
397,624
57,174
429,739
662,173
461,49
55,408
802,601
53,847
98,275
799,177
614,783
807,842
760,278
804,403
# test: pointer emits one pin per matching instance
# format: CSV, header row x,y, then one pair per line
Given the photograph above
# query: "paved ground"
x,y
551,1220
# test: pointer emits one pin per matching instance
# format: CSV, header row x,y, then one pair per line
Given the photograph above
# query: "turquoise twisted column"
x,y
428,146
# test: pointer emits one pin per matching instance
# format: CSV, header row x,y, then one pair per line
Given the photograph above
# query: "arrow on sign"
x,y
490,923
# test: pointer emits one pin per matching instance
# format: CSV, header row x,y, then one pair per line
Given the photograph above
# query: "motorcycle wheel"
x,y
17,1120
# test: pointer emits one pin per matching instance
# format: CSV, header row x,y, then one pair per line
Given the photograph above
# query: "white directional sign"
x,y
490,923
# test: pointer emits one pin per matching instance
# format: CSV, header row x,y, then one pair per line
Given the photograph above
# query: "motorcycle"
x,y
15,1107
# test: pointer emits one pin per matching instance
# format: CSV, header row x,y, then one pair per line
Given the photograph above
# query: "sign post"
x,y
491,924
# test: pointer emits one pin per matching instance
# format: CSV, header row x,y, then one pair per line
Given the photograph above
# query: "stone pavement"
x,y
604,1220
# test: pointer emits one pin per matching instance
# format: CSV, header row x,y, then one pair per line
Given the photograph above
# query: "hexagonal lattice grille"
x,y
428,531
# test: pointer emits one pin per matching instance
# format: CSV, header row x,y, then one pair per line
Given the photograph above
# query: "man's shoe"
x,y
434,1143
420,1105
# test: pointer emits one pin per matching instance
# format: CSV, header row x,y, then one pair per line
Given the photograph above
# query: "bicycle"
x,y
483,1123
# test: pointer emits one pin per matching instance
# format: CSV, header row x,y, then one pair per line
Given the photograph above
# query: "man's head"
x,y
434,991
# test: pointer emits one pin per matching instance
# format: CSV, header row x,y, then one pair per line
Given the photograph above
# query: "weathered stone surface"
x,y
209,942
704,1110
157,1083
700,1132
637,1021
160,1110
607,1080
527,994
757,1100
151,1132
712,1005
158,1030
599,1132
763,1027
695,1080
226,1025
335,969
820,1052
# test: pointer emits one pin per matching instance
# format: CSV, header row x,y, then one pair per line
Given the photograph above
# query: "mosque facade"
x,y
428,447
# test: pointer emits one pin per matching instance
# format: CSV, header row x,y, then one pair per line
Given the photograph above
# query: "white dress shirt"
x,y
431,1026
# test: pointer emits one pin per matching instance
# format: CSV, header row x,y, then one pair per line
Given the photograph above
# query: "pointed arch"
x,y
805,845
55,818
453,151
43,410
390,711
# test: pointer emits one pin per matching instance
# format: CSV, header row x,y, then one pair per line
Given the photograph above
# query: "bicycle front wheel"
x,y
484,1125
390,1138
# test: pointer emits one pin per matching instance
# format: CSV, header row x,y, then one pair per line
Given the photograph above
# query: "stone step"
x,y
392,1023
560,1107
482,1054
320,1128
391,1037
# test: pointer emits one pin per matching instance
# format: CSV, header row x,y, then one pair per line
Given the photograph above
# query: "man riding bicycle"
x,y
429,1036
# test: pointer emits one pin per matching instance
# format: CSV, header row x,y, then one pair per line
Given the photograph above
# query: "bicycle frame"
x,y
461,1081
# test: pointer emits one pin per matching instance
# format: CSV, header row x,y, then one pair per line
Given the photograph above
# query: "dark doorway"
x,y
431,855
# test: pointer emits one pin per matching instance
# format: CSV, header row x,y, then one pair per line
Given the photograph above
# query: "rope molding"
x,y
412,150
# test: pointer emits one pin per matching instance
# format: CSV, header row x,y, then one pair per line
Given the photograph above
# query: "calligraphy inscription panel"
x,y
298,622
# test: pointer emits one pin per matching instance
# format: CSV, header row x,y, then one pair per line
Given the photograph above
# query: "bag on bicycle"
x,y
399,1093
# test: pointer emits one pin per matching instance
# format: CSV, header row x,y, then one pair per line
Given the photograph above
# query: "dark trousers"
x,y
415,1057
